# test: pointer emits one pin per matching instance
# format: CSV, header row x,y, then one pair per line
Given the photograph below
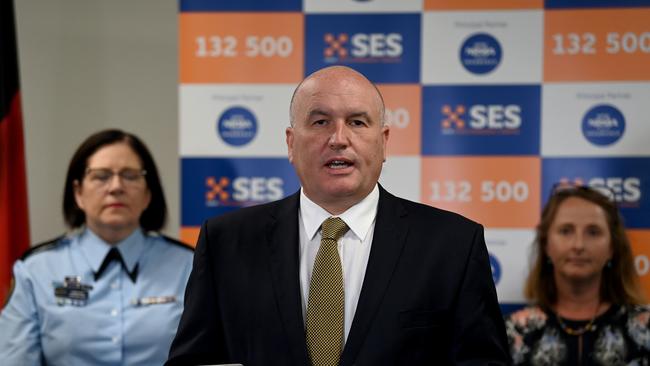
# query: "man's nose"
x,y
339,137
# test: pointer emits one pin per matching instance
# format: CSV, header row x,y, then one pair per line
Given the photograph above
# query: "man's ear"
x,y
289,139
385,131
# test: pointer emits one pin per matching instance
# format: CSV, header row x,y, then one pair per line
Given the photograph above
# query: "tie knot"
x,y
333,228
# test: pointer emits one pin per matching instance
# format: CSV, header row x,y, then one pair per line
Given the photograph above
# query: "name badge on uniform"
x,y
153,300
71,291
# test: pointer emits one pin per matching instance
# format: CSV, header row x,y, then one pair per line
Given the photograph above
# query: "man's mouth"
x,y
338,164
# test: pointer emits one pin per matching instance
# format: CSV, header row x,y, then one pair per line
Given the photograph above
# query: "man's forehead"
x,y
316,92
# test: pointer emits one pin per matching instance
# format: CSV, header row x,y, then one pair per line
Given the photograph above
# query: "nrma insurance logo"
x,y
480,53
481,119
242,191
237,126
603,125
384,47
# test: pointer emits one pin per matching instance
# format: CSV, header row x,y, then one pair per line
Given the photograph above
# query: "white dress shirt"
x,y
354,247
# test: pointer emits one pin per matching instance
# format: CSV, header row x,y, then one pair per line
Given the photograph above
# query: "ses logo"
x,y
496,268
480,53
362,47
237,126
624,180
626,192
242,191
384,47
481,119
603,125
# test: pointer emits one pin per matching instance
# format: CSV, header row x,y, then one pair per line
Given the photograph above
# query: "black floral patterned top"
x,y
620,336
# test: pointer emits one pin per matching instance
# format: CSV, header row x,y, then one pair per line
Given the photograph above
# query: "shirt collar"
x,y
95,249
359,217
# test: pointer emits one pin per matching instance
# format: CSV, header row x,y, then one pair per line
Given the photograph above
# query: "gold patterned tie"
x,y
325,307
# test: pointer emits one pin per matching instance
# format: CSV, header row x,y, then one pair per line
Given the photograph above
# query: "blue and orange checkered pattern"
x,y
490,104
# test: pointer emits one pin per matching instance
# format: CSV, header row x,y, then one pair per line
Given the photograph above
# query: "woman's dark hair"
x,y
619,283
153,217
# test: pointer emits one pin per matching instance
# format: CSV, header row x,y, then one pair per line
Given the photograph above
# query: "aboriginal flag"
x,y
14,230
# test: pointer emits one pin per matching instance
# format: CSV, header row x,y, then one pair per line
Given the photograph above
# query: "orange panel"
x,y
640,240
190,234
482,4
403,112
594,45
498,192
241,47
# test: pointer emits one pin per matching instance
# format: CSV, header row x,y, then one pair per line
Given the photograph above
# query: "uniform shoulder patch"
x,y
177,242
47,245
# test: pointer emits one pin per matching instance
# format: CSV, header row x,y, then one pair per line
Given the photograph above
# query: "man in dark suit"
x,y
401,283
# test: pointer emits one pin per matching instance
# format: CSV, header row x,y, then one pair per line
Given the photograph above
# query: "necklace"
x,y
578,332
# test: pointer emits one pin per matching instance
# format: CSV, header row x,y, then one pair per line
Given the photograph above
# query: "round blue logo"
x,y
480,53
237,126
603,125
496,269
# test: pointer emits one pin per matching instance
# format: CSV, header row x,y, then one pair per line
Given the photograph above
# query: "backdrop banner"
x,y
490,104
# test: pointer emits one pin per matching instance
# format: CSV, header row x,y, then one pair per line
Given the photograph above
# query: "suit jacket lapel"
x,y
388,240
283,240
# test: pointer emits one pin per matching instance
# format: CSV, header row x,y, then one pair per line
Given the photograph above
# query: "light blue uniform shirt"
x,y
121,323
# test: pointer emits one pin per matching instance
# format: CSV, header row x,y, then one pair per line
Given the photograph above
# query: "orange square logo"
x,y
598,44
241,47
498,192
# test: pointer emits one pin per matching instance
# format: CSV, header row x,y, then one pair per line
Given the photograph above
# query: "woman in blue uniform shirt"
x,y
111,291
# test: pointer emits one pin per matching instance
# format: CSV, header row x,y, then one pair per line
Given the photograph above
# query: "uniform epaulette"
x,y
177,242
47,245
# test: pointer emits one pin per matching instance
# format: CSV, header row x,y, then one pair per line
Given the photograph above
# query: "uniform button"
x,y
114,312
115,285
116,339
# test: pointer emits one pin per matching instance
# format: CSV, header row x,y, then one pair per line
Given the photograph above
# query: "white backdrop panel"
x,y
376,6
201,106
518,32
401,176
565,105
511,248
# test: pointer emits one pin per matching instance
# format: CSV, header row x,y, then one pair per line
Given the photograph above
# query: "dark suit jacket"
x,y
427,298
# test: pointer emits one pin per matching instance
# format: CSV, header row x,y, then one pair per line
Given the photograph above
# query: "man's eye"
x,y
320,122
358,122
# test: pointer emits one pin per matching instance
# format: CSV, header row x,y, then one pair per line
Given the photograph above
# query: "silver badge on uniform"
x,y
153,300
71,291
